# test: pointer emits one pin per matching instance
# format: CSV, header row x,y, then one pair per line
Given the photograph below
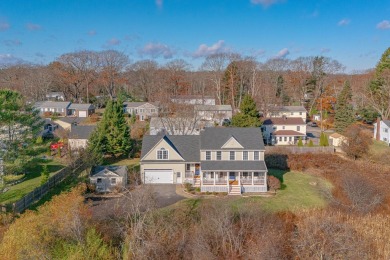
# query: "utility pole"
x,y
321,114
1,172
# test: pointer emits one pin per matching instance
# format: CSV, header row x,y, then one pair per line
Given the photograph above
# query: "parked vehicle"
x,y
312,124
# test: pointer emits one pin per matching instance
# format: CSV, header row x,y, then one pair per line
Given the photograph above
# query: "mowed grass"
x,y
33,180
299,191
378,148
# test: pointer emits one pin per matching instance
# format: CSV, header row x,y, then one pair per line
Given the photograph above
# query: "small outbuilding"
x,y
336,139
108,178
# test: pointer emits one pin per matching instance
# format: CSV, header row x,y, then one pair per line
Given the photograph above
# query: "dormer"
x,y
232,143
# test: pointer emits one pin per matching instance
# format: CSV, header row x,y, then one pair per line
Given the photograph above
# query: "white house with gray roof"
x,y
81,110
108,178
288,111
142,110
215,113
52,108
382,131
79,135
218,160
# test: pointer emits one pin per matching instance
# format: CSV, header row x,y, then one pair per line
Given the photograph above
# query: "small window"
x,y
178,174
385,130
245,155
245,174
298,128
285,138
219,155
289,138
292,113
256,155
232,156
188,167
113,181
300,113
280,138
208,155
162,154
283,127
99,180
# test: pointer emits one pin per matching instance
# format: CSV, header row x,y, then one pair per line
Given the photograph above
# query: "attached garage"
x,y
82,113
158,176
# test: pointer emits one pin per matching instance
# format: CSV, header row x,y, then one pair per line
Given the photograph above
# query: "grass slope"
x,y
33,180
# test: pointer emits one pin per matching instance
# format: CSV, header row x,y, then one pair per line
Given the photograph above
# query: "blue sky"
x,y
354,32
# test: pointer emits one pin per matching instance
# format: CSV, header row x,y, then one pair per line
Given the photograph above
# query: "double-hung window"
x,y
245,155
219,155
208,155
162,154
256,156
232,156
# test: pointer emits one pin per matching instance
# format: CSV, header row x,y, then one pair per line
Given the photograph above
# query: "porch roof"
x,y
288,133
233,166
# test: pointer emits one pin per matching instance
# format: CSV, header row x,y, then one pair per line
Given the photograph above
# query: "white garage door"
x,y
158,176
82,113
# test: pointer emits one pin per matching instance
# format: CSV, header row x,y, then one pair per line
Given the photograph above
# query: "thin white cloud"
x,y
9,59
159,3
113,42
156,50
204,50
33,27
325,50
92,33
283,53
384,25
12,43
4,26
265,3
343,22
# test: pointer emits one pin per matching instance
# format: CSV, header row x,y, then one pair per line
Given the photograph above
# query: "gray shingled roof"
x,y
70,120
137,104
386,122
51,104
81,106
288,108
186,145
214,138
120,170
284,121
233,166
81,131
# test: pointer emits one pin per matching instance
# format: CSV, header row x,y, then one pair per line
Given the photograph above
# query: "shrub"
x,y
300,143
273,183
208,193
311,143
188,186
39,140
197,189
44,175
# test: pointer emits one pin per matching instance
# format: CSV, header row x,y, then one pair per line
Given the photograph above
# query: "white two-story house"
x,y
382,131
283,130
218,160
288,111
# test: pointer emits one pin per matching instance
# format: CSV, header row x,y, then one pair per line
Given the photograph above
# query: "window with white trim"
x,y
245,155
283,127
298,128
385,130
188,167
232,156
99,180
208,155
113,181
256,156
162,154
219,155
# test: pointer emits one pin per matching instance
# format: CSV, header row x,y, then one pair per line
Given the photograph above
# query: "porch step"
x,y
197,182
235,190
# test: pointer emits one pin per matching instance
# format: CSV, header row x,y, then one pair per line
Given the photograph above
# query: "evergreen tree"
x,y
344,110
324,140
300,143
248,115
44,174
112,135
311,143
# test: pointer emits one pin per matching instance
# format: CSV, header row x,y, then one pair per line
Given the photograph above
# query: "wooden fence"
x,y
297,149
34,196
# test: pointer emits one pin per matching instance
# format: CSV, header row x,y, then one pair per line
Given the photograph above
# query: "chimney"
x,y
378,128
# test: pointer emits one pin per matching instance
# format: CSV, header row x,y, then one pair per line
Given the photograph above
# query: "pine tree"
x,y
112,135
44,174
248,116
344,110
311,143
324,140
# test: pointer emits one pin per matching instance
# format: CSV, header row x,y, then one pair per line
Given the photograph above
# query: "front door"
x,y
178,177
232,176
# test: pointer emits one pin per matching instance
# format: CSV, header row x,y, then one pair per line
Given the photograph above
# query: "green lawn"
x,y
299,191
33,180
379,148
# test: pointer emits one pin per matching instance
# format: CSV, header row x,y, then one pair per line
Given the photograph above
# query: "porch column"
x,y
214,178
252,177
227,179
239,178
201,178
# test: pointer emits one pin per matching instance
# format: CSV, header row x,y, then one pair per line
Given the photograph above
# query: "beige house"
x,y
79,135
108,178
215,113
218,160
142,110
288,111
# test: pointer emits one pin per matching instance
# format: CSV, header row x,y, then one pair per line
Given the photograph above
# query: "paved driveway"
x,y
165,194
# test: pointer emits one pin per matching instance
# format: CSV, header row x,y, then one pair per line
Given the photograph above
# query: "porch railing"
x,y
217,181
258,181
189,174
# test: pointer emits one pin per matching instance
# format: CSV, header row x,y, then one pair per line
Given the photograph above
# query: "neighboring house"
x,y
382,131
52,108
79,135
177,125
218,160
55,96
288,111
66,122
193,100
81,110
317,117
283,130
108,178
49,125
213,112
336,139
142,110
